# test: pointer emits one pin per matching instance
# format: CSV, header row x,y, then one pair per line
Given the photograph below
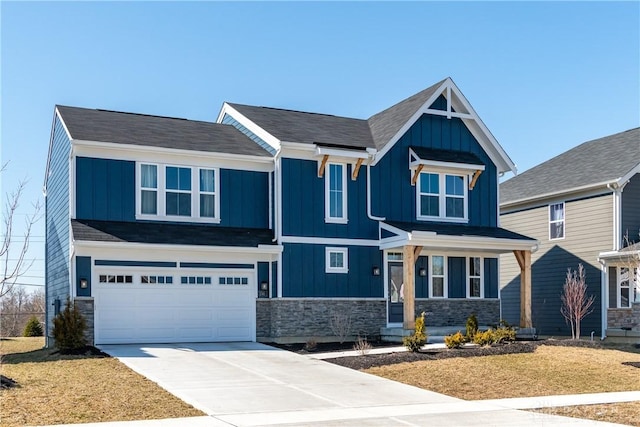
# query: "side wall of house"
x,y
588,231
106,188
57,224
631,209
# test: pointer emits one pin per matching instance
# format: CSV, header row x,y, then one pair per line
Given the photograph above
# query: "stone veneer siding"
x,y
618,318
85,306
454,312
290,320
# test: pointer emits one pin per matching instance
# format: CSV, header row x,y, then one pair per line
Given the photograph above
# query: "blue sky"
x,y
543,76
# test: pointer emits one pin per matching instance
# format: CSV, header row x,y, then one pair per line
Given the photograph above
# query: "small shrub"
x,y
456,340
483,338
311,344
471,327
494,336
504,333
33,328
340,324
362,346
68,328
415,341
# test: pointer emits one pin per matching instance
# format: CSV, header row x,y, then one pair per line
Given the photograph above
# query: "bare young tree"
x,y
13,251
575,302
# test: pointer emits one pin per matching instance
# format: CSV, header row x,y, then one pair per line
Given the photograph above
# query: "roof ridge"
x,y
103,110
295,111
411,97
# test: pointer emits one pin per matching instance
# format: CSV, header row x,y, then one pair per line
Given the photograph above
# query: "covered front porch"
x,y
449,271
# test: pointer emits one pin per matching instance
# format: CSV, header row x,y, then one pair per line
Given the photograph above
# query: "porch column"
x,y
524,261
409,256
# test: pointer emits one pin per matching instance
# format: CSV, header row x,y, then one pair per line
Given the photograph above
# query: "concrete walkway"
x,y
249,384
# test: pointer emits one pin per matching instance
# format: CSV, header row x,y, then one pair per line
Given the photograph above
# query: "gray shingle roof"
x,y
309,128
156,131
450,156
594,162
169,233
449,229
387,123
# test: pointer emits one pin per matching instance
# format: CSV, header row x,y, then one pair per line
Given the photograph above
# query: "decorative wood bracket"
x,y
416,174
476,175
416,252
356,170
323,165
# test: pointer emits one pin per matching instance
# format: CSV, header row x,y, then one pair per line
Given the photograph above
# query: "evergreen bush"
x,y
415,341
33,328
456,340
68,328
471,327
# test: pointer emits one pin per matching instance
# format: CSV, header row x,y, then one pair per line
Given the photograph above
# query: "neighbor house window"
x,y
149,189
178,193
556,221
337,260
474,289
441,196
628,287
336,193
437,286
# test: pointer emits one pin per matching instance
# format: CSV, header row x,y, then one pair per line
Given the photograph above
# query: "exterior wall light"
x,y
264,286
375,271
422,272
84,283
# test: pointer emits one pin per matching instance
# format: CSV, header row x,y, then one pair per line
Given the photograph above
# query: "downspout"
x,y
617,215
604,297
369,214
278,219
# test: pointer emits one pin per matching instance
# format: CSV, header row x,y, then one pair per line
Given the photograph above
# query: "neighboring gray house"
x,y
579,205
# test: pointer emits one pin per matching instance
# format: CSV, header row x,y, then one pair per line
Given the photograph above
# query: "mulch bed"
x,y
87,350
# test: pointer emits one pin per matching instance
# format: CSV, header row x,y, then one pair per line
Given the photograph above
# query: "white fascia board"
x,y
567,195
56,113
398,231
329,241
295,150
144,153
619,256
624,179
79,245
249,124
429,240
393,242
444,166
341,154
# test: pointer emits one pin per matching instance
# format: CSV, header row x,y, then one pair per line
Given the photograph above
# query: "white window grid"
x,y
442,198
344,254
329,217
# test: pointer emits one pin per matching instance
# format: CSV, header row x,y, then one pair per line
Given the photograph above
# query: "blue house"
x,y
277,225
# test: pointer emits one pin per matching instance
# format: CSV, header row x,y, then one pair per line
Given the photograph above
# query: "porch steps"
x,y
623,336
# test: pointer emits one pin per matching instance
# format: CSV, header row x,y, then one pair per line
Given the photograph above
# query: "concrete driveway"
x,y
250,384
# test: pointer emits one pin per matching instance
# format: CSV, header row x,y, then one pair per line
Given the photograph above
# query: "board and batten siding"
x,y
631,209
57,264
105,190
588,231
393,196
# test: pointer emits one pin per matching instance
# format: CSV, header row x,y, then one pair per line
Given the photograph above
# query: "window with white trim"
x,y
336,193
177,193
336,260
437,278
442,196
556,221
628,287
474,277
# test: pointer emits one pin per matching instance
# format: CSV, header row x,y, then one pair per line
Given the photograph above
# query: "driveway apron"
x,y
250,384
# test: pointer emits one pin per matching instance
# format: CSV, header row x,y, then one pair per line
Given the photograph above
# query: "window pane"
x,y
149,202
207,205
556,230
437,265
184,179
454,185
149,176
557,212
429,183
429,206
454,207
335,207
438,286
335,180
474,290
336,259
474,266
624,297
171,178
172,203
207,180
184,204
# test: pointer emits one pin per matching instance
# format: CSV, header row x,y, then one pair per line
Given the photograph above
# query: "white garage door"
x,y
187,307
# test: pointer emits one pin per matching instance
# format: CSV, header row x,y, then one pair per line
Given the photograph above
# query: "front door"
x,y
396,292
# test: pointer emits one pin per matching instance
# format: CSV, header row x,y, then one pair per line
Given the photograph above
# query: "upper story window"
x,y
474,287
177,193
442,196
556,221
336,193
628,287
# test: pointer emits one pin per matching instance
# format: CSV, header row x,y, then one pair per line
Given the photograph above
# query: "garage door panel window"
x,y
233,281
115,278
162,280
195,280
